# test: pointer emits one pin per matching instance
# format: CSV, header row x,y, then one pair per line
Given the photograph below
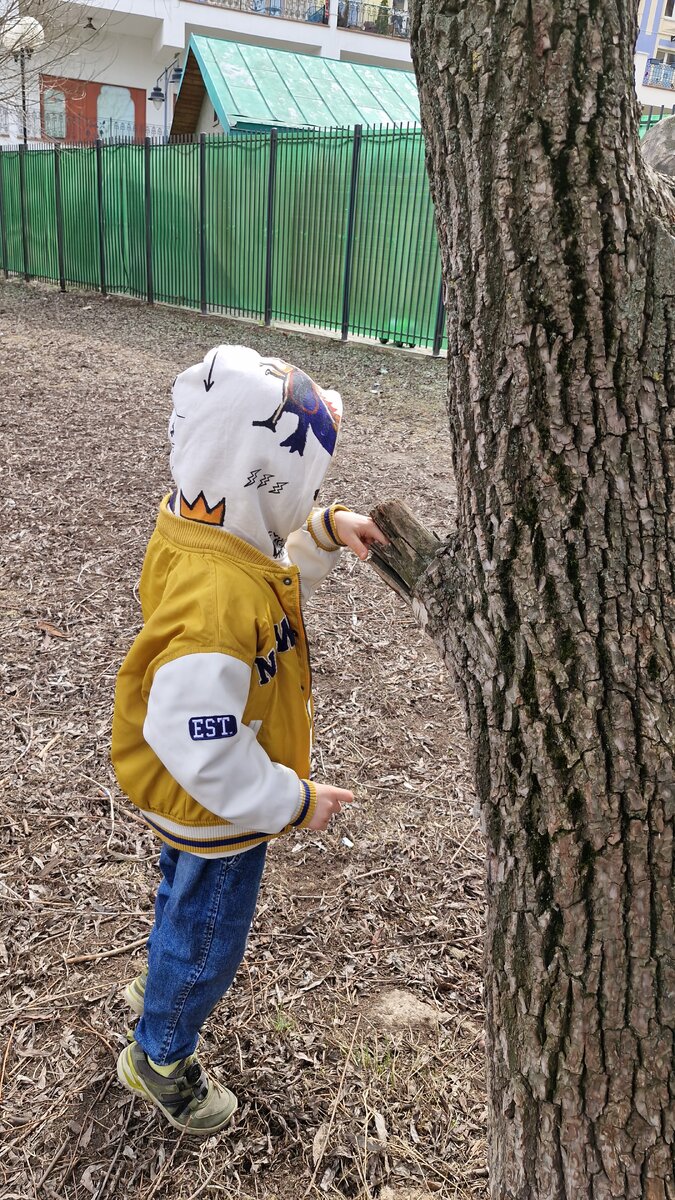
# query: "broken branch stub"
x,y
411,548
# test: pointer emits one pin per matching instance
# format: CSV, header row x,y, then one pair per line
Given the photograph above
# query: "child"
x,y
213,714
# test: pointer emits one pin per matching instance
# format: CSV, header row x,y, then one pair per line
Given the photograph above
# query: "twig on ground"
x,y
98,957
121,1142
4,1057
338,1097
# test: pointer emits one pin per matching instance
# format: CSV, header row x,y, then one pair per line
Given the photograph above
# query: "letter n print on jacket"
x,y
266,666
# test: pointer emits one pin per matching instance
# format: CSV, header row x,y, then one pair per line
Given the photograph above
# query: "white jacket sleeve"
x,y
314,548
194,725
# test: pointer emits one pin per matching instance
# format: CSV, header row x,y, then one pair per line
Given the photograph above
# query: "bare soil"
x,y
353,1033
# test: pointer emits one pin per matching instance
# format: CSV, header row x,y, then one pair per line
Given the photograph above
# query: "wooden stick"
x,y
80,958
50,1167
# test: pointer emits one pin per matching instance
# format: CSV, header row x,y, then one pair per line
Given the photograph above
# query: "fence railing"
x,y
331,228
652,115
659,74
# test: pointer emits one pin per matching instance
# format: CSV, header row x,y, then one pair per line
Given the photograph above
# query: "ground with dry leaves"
x,y
352,1034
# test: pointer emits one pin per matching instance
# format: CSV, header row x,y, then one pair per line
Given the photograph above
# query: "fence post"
x,y
101,223
440,321
24,214
59,216
3,225
349,246
202,222
269,256
148,225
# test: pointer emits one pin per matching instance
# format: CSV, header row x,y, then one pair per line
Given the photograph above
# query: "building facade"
x,y
655,54
120,74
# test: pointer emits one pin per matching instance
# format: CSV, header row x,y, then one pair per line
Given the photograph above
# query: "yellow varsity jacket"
x,y
213,717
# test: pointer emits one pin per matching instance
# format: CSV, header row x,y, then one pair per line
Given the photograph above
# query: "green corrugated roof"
x,y
251,85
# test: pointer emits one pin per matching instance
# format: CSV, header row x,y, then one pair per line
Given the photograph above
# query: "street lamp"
x,y
159,95
22,37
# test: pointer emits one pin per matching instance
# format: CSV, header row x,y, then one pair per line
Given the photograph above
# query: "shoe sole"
x,y
131,1080
133,999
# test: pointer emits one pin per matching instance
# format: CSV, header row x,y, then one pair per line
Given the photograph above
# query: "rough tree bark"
x,y
554,602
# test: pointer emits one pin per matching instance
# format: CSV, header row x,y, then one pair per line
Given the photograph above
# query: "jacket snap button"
x,y
288,580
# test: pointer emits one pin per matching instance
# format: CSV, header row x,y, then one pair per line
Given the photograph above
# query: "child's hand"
x,y
358,532
329,800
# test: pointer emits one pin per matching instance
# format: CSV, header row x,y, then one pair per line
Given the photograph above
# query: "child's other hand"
x,y
358,532
329,800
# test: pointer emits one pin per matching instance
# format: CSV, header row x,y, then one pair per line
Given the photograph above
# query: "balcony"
x,y
289,10
659,74
362,18
67,130
373,18
73,130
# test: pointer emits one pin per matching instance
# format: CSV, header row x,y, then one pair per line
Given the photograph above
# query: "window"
x,y
670,5
54,108
115,114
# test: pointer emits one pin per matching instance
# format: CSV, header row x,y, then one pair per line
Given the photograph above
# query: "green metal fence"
x,y
652,115
327,228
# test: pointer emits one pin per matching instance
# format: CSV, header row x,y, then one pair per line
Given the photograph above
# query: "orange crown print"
x,y
199,510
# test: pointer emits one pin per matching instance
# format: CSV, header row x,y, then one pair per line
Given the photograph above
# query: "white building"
x,y
655,55
98,81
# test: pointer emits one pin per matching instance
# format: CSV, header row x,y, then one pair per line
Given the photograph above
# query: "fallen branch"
x,y
80,958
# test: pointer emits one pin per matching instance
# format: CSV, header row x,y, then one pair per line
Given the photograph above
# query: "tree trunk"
x,y
554,604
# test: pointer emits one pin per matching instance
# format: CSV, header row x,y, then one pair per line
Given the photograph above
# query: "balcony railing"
x,y
292,10
55,127
373,18
659,74
364,18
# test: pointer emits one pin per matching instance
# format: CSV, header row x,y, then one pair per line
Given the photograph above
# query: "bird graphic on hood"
x,y
303,398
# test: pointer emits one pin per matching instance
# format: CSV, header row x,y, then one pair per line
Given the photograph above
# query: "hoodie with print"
x,y
213,714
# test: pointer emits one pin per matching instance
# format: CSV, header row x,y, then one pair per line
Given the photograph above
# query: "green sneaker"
x,y
134,992
187,1097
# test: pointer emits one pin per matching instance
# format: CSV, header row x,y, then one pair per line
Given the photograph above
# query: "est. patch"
x,y
207,729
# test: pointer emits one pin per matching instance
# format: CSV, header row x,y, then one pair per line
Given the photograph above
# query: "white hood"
x,y
251,441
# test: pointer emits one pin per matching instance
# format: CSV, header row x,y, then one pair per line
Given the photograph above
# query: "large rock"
x,y
658,146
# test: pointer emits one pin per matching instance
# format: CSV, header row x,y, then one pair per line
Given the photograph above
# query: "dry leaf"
x,y
380,1127
47,627
327,1178
86,1179
319,1143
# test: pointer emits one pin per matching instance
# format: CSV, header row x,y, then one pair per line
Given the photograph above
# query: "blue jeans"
x,y
203,912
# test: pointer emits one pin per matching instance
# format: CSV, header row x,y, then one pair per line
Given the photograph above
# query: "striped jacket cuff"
x,y
322,527
305,810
